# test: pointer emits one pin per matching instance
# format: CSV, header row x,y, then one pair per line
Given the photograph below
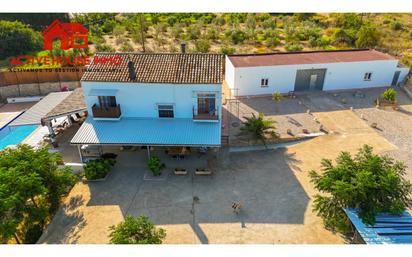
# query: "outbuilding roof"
x,y
158,68
388,229
309,57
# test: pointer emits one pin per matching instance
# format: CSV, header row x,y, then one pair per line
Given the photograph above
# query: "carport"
x,y
72,104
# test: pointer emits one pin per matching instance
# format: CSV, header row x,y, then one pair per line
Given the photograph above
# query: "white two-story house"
x,y
153,100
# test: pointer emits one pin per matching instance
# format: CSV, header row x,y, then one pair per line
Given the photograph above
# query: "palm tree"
x,y
257,128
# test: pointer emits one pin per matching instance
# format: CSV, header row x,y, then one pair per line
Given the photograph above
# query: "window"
x,y
206,103
367,76
165,111
264,82
107,101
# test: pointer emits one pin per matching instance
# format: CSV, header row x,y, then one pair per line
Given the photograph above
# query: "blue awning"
x,y
149,131
103,92
388,229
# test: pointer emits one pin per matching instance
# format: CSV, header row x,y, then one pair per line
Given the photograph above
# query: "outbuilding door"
x,y
395,78
309,79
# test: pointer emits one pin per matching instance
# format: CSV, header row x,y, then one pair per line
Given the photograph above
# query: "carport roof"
x,y
34,115
148,131
309,57
73,103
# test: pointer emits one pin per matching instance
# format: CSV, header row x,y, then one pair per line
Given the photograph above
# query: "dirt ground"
x,y
290,114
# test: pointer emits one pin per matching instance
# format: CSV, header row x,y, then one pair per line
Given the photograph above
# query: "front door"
x,y
395,78
309,79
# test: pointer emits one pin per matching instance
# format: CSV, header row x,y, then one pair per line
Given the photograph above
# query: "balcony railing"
x,y
203,116
106,112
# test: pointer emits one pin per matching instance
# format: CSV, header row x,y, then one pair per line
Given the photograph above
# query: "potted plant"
x,y
155,165
97,170
180,171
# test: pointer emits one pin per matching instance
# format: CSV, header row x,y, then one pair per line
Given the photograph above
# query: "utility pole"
x,y
142,30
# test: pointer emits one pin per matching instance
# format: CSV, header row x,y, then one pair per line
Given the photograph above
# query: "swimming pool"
x,y
15,135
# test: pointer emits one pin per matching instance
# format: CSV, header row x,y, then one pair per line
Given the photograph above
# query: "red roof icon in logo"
x,y
71,35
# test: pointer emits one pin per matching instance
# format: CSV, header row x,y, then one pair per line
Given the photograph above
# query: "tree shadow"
x,y
67,223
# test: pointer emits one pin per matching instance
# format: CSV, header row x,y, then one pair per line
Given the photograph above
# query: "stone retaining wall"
x,y
36,89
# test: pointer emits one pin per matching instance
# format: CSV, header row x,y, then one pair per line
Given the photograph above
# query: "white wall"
x,y
140,100
338,76
229,73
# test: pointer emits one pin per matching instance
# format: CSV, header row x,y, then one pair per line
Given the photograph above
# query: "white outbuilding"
x,y
262,74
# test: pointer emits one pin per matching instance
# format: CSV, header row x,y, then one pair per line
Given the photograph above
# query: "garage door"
x,y
310,79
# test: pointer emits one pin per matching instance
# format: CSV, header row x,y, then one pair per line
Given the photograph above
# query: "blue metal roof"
x,y
388,229
148,131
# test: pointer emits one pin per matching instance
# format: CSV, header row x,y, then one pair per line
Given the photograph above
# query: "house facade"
x,y
153,100
262,74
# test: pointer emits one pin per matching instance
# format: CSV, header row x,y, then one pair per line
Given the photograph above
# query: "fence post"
x,y
38,82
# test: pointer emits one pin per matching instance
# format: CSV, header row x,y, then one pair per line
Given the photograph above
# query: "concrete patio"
x,y
275,203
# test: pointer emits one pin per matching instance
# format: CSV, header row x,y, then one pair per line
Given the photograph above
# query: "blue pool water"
x,y
14,135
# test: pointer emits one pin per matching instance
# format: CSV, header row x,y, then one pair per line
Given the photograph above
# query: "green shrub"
x,y
171,20
138,230
177,31
386,21
212,33
202,46
272,41
98,168
269,23
227,50
193,32
368,37
108,25
389,95
396,25
293,47
155,165
126,47
104,48
319,41
237,36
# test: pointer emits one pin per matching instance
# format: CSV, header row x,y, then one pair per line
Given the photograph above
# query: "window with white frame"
x,y
367,76
165,110
264,82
